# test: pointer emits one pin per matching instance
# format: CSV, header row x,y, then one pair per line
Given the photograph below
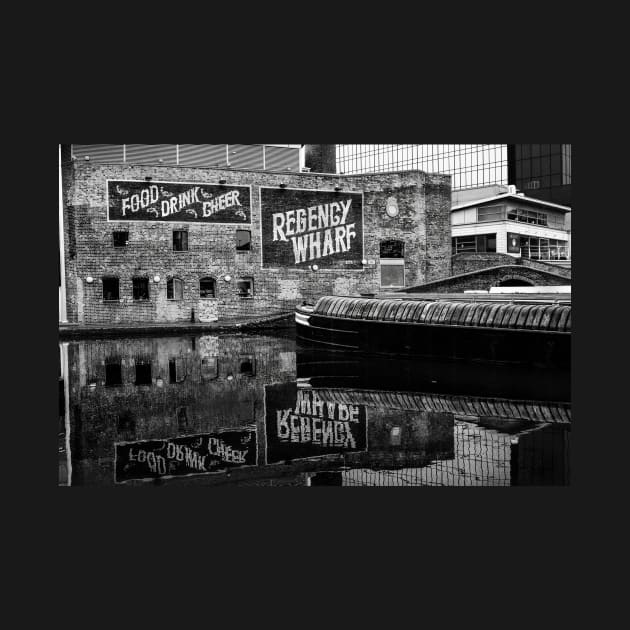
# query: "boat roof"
x,y
544,316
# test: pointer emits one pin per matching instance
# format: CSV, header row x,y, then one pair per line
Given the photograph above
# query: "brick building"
x,y
152,239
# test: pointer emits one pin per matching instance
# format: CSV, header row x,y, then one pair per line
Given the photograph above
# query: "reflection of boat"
x,y
502,329
326,369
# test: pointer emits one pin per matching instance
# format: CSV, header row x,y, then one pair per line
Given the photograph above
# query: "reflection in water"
x,y
255,411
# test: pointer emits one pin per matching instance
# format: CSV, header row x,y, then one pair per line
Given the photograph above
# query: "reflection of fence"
x,y
482,458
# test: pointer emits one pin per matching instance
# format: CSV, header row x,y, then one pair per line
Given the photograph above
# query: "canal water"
x,y
252,410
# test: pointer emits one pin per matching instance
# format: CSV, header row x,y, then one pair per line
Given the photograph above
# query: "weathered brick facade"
x,y
423,224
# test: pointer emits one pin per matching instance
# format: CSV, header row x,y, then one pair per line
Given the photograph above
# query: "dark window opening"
x,y
180,240
243,240
140,289
247,366
174,289
392,249
245,287
111,289
176,370
121,239
113,373
207,288
143,373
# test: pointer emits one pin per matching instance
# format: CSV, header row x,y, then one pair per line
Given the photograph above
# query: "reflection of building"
x,y
152,233
154,389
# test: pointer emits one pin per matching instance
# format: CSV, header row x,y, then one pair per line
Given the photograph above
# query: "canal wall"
x,y
339,253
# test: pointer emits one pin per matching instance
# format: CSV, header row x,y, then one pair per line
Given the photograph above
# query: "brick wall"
x,y
468,261
422,199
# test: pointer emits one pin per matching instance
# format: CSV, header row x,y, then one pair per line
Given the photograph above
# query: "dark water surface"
x,y
251,410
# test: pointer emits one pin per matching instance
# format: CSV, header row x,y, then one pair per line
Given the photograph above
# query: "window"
x,y
392,264
481,243
247,366
182,418
491,213
121,239
175,370
140,289
126,423
392,249
243,240
143,372
207,288
111,289
245,287
180,241
113,372
527,216
174,289
210,368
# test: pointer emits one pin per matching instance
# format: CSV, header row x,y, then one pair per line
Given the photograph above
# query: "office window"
x,y
481,243
180,240
243,240
121,239
207,288
140,289
245,287
111,289
143,372
491,213
174,289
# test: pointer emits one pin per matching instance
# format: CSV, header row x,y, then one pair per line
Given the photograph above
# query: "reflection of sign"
x,y
189,455
299,424
304,227
163,201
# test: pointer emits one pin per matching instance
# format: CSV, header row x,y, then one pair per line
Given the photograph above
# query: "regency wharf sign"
x,y
300,424
164,201
305,227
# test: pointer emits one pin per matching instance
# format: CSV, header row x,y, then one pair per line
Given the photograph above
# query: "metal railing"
x,y
546,253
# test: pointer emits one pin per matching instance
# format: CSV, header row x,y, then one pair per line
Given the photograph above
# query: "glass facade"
x,y
470,165
542,171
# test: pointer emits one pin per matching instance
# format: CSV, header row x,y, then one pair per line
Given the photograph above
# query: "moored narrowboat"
x,y
499,329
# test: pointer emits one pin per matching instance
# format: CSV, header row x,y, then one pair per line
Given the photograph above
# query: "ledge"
x,y
277,320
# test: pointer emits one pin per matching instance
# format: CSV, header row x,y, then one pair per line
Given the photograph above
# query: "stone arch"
x,y
514,280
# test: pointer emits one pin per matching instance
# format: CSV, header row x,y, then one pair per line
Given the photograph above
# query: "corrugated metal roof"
x,y
544,317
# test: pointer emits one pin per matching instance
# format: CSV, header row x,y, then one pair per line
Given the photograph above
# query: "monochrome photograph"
x,y
302,315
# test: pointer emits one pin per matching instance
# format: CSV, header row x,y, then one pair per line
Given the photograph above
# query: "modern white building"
x,y
498,219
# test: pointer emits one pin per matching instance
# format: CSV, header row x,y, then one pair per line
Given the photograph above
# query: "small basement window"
x,y
121,239
243,240
111,289
143,372
207,288
140,289
245,287
174,289
180,240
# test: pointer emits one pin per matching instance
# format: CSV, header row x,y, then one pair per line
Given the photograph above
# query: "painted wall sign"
x,y
163,201
188,455
305,227
300,425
